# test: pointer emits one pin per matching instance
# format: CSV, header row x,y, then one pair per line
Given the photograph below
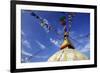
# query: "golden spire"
x,y
66,42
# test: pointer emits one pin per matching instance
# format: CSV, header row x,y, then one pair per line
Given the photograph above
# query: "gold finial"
x,y
66,42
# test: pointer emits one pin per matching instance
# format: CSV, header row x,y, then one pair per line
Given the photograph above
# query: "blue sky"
x,y
37,45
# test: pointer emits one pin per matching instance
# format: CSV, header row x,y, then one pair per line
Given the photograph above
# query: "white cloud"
x,y
73,34
60,32
80,41
81,38
41,45
26,43
26,53
26,59
38,56
86,48
55,42
22,33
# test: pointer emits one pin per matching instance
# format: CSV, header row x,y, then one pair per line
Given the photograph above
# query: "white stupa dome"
x,y
67,54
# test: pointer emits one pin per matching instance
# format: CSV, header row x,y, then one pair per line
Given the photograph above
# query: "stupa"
x,y
67,51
